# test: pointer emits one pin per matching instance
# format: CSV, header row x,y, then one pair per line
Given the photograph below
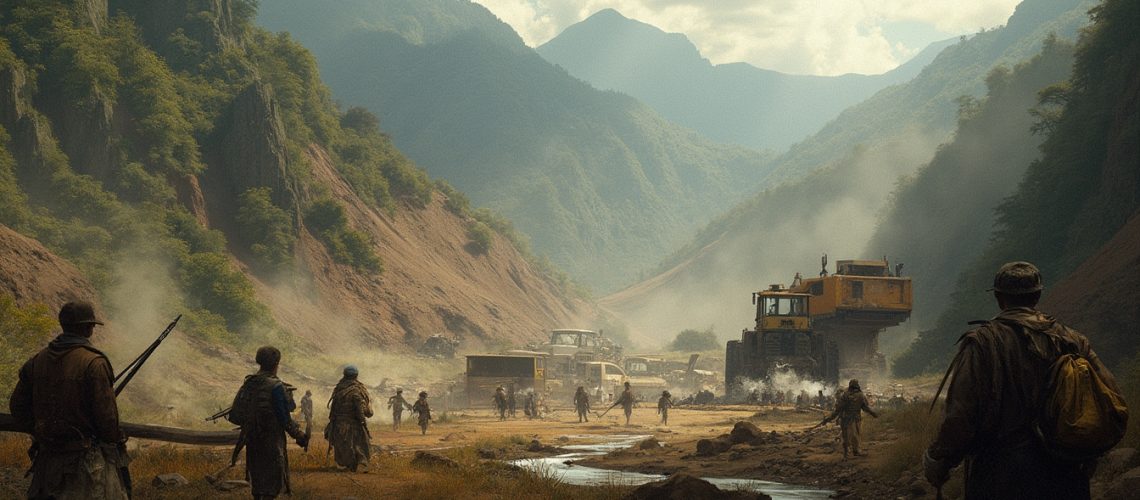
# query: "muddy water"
x,y
576,474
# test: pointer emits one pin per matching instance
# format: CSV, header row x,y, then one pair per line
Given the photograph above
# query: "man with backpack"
x,y
1012,399
262,407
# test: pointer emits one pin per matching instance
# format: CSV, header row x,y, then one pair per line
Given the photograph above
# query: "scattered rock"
x,y
487,453
563,439
1117,462
746,432
649,444
1124,486
454,436
708,447
231,485
684,486
535,445
429,459
172,480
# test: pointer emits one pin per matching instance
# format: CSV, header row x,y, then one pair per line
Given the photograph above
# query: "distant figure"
x,y
849,409
511,402
265,402
626,401
307,406
663,405
530,404
582,404
600,395
500,400
347,431
65,398
397,404
423,412
820,399
1000,379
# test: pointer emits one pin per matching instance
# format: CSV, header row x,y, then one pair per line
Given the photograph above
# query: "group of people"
x,y
505,402
65,399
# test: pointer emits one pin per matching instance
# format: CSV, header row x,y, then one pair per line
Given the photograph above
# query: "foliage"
x,y
480,236
212,282
329,223
266,228
1062,211
25,330
695,341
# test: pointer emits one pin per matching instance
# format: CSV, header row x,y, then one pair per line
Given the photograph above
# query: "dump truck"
x,y
825,327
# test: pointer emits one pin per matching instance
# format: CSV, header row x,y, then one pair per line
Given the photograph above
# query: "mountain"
x,y
600,183
940,219
186,162
829,191
1071,212
737,103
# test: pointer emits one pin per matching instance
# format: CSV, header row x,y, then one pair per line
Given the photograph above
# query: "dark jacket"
x,y
266,460
65,396
998,388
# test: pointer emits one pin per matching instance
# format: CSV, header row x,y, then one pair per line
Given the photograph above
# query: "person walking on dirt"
x,y
307,406
849,410
500,401
65,398
511,400
582,404
997,391
347,431
530,405
663,405
397,404
423,412
262,406
626,401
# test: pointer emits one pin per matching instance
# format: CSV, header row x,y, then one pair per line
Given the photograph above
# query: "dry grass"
x,y
390,476
909,431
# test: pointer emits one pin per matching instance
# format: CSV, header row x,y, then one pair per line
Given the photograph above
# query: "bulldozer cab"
x,y
779,309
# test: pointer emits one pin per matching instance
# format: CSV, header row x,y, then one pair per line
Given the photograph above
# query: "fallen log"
x,y
154,432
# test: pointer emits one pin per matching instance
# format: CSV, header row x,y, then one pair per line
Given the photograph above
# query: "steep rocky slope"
x,y
32,274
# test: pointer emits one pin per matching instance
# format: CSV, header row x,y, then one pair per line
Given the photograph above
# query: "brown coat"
x,y
997,390
65,398
347,431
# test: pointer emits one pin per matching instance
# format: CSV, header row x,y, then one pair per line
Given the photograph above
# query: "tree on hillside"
x,y
693,340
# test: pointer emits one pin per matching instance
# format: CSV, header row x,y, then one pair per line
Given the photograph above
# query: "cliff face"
x,y
34,275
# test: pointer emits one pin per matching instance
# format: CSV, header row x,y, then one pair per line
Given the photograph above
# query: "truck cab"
x,y
782,338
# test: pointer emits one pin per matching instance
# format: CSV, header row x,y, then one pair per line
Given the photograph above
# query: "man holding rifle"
x,y
66,399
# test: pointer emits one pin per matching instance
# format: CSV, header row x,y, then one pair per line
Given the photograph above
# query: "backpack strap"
x,y
953,363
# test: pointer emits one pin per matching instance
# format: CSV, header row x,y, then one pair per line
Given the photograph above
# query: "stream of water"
x,y
576,474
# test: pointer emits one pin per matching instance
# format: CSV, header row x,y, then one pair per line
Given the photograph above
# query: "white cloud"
x,y
824,37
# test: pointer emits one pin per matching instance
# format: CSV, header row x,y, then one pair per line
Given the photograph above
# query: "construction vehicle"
x,y
824,328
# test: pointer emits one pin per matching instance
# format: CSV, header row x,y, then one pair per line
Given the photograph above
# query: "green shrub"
x,y
329,223
480,236
266,229
693,340
25,331
212,283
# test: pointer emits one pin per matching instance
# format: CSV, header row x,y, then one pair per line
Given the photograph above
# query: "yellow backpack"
x,y
1082,417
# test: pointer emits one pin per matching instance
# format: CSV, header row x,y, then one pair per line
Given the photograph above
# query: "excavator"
x,y
825,328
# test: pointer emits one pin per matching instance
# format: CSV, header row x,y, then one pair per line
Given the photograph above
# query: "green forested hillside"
x,y
927,104
151,140
940,219
1084,187
599,182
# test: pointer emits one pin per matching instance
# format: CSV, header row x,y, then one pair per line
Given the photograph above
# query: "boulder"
x,y
746,432
487,453
708,447
649,444
683,486
428,459
535,446
167,481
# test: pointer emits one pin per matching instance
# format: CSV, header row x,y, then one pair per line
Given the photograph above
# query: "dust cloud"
x,y
780,232
780,381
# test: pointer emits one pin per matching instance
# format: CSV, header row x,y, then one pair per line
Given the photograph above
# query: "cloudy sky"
x,y
819,37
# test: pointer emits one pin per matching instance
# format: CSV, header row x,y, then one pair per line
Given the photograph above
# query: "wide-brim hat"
x,y
1017,278
78,313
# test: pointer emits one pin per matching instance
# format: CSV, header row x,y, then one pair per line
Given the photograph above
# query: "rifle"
x,y
219,414
608,409
129,372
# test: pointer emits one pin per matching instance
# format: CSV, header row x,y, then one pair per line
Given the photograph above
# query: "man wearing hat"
x,y
999,383
347,431
265,404
66,400
849,408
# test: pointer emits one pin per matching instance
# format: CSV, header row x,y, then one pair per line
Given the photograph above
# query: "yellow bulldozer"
x,y
826,327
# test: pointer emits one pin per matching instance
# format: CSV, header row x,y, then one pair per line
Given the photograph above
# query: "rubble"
x,y
167,481
683,486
